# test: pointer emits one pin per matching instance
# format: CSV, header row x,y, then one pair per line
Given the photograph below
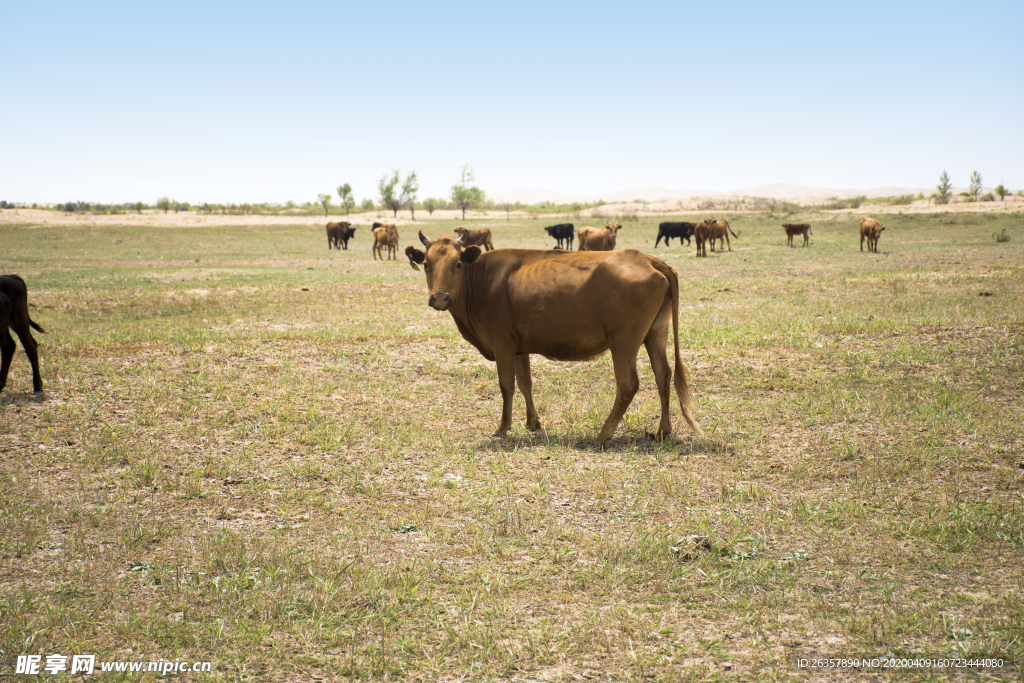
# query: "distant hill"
x,y
658,194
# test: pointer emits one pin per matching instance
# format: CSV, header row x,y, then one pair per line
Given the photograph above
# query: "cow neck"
x,y
464,308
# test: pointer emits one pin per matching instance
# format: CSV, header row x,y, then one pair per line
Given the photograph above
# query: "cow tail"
x,y
730,230
682,387
36,325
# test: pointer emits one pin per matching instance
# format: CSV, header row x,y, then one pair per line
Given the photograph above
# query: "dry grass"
x,y
258,453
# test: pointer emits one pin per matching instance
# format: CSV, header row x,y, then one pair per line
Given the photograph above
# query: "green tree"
x,y
1002,192
325,201
975,186
386,189
347,200
430,204
367,205
391,196
943,194
464,194
164,203
409,189
139,206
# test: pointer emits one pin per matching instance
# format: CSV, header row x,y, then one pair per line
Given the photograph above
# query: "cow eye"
x,y
458,266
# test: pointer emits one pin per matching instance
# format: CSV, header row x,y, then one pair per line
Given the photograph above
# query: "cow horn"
x,y
423,238
461,242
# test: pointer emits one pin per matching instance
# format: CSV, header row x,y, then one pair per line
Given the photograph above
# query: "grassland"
x,y
258,453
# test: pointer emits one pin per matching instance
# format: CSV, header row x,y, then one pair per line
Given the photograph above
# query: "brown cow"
x,y
338,235
564,305
14,316
598,239
701,236
719,230
481,238
385,236
872,230
794,229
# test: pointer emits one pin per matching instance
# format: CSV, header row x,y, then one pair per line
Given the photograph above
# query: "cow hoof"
x,y
497,435
535,428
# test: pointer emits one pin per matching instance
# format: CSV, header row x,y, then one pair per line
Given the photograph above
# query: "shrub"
x,y
1001,236
988,197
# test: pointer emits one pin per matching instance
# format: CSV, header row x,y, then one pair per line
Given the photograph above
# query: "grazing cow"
x,y
872,230
338,235
794,229
481,238
14,316
598,239
385,236
564,305
562,231
701,235
668,230
719,230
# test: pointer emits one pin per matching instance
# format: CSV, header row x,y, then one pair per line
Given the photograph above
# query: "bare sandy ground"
x,y
696,205
733,204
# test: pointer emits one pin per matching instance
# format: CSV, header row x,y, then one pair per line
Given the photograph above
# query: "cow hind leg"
x,y
525,381
656,344
29,344
7,348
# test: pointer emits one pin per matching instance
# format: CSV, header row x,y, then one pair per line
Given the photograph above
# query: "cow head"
x,y
614,227
442,263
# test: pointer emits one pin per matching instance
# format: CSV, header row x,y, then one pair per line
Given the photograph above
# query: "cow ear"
x,y
415,257
470,254
426,242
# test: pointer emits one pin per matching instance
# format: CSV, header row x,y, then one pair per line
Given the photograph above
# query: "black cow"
x,y
338,235
668,230
14,316
562,231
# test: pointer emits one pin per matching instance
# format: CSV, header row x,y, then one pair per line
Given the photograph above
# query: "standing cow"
x,y
338,235
871,230
794,229
14,316
719,230
668,230
385,236
599,239
564,305
481,238
701,236
562,231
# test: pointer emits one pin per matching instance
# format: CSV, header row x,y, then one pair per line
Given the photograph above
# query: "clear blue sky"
x,y
235,102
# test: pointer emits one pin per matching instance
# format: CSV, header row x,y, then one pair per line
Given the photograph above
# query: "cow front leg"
x,y
506,363
525,382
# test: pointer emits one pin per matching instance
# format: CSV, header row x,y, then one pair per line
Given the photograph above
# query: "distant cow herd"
x,y
704,233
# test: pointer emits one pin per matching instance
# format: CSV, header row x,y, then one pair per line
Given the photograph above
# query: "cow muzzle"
x,y
440,301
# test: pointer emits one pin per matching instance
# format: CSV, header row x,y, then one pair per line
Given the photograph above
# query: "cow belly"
x,y
566,352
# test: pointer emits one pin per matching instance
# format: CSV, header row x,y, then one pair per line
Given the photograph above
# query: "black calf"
x,y
14,315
